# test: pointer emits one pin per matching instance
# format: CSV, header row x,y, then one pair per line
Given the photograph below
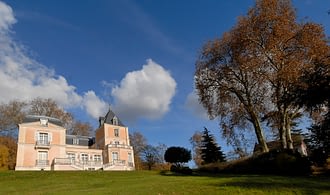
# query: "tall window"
x,y
130,159
115,156
43,139
42,158
72,156
116,132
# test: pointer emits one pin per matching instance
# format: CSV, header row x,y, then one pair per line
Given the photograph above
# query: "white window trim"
x,y
37,136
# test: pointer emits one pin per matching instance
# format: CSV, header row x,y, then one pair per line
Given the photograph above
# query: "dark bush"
x,y
274,162
180,169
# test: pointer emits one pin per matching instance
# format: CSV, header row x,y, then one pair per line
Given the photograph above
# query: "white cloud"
x,y
6,17
23,78
146,93
94,105
193,105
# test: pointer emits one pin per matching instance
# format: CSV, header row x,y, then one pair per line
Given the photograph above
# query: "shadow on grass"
x,y
306,185
273,183
204,174
170,173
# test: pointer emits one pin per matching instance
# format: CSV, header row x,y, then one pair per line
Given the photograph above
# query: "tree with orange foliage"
x,y
8,149
248,74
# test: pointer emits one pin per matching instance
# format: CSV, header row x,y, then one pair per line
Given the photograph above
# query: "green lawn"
x,y
151,182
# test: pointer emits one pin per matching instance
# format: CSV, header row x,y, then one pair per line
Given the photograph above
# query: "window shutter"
x,y
50,137
36,136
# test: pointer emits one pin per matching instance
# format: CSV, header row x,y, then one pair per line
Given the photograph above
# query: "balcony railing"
x,y
119,146
42,163
63,161
81,164
119,162
43,144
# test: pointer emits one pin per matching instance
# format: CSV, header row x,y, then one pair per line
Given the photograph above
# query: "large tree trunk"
x,y
285,129
259,132
288,132
282,133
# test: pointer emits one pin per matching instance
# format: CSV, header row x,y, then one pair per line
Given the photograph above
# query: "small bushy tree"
x,y
177,155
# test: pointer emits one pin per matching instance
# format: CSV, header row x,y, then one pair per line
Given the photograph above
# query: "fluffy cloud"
x,y
193,105
145,93
94,104
6,17
23,78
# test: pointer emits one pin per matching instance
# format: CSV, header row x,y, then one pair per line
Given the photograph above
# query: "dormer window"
x,y
43,121
115,120
75,141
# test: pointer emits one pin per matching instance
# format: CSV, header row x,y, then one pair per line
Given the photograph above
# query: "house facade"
x,y
44,145
298,145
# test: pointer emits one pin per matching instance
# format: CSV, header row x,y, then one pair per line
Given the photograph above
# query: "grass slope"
x,y
151,182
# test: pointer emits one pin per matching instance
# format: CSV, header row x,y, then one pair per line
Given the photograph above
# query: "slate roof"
x,y
109,119
35,118
82,140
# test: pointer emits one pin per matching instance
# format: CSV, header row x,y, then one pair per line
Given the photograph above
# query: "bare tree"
x,y
48,107
196,142
150,156
139,142
81,128
11,114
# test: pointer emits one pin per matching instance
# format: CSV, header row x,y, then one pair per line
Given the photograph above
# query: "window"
x,y
115,156
115,121
72,156
43,139
130,159
75,141
116,131
117,142
97,158
84,157
42,158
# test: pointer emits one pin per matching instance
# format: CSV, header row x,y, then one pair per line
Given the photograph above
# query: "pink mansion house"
x,y
44,145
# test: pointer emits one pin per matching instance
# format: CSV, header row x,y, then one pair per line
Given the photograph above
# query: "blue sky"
x,y
138,56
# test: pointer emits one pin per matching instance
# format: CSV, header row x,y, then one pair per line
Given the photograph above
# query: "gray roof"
x,y
35,118
80,140
109,119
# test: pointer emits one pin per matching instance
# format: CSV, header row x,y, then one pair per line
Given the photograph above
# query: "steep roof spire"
x,y
110,118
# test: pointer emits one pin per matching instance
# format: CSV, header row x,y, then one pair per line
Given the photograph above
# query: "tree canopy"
x,y
247,76
15,111
177,155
